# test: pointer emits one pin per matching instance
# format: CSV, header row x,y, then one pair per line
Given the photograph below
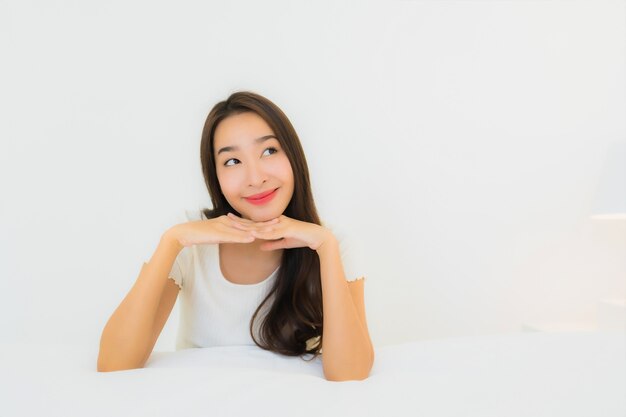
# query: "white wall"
x,y
459,143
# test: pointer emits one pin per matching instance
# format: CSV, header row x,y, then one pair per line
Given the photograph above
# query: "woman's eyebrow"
x,y
236,148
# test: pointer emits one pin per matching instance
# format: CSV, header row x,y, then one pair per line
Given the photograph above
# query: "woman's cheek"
x,y
228,183
283,168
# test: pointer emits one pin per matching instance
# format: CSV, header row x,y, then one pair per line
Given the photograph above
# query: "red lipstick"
x,y
261,198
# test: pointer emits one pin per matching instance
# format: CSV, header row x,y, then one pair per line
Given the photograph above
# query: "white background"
x,y
458,144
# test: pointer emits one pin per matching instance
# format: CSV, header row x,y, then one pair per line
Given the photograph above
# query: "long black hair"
x,y
293,324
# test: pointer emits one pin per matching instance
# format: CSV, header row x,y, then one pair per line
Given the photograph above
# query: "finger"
x,y
245,238
268,233
240,226
250,222
238,235
233,226
248,228
266,223
239,219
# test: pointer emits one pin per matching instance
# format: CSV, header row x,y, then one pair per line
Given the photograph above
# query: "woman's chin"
x,y
262,217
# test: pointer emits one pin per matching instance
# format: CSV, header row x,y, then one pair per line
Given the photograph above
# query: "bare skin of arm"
x,y
132,331
129,335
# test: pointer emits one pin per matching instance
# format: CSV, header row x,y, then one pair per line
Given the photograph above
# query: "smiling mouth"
x,y
261,195
264,199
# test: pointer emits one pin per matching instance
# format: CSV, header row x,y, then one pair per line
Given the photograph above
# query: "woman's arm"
x,y
128,333
347,349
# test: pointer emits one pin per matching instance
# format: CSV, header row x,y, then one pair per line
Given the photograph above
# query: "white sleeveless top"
x,y
213,310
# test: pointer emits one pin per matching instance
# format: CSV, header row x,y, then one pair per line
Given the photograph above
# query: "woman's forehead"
x,y
241,130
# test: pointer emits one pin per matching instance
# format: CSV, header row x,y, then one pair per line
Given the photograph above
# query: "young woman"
x,y
258,267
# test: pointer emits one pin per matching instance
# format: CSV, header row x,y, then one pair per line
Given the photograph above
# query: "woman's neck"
x,y
253,250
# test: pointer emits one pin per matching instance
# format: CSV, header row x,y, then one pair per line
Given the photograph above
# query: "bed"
x,y
511,374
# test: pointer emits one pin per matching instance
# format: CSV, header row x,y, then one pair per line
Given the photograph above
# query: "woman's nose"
x,y
256,174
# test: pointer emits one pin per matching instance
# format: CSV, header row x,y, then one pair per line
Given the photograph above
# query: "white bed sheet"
x,y
516,374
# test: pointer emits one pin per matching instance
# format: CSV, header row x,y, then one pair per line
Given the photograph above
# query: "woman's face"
x,y
248,163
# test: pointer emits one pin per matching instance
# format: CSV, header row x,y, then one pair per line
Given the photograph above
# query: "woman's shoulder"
x,y
347,248
339,232
193,214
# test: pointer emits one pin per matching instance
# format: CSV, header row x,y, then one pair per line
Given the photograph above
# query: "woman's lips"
x,y
261,198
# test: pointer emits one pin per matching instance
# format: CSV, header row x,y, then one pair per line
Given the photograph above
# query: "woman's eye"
x,y
234,159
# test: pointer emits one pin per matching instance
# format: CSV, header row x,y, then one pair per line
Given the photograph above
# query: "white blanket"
x,y
517,374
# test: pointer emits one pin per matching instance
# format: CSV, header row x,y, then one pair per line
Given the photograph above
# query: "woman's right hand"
x,y
220,229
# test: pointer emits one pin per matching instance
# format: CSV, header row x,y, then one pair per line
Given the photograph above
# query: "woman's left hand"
x,y
286,233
